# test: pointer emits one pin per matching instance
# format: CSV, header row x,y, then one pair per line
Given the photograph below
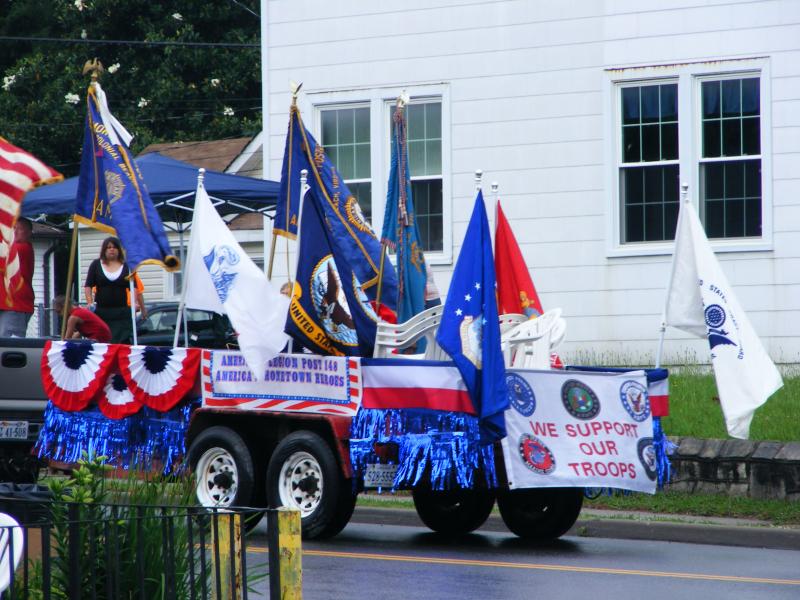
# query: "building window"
x,y
649,167
425,166
346,139
730,164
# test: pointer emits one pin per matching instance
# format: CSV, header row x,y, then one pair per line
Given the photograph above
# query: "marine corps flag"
x,y
329,312
352,238
112,195
515,291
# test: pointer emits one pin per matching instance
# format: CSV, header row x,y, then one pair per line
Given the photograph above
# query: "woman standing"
x,y
108,275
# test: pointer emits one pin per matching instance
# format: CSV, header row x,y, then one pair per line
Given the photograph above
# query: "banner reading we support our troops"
x,y
579,429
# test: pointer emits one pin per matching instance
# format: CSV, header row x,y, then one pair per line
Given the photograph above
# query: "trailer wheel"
x,y
541,513
453,512
303,474
223,468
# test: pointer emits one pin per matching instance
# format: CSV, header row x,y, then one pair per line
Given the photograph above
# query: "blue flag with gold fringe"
x,y
329,311
400,230
352,237
112,196
470,327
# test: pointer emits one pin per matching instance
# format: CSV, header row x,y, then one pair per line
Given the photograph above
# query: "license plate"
x,y
13,430
379,476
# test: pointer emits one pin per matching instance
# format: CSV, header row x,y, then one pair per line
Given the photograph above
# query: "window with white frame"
x,y
346,138
696,125
354,134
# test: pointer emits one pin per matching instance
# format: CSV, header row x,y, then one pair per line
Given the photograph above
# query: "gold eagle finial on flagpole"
x,y
95,67
295,89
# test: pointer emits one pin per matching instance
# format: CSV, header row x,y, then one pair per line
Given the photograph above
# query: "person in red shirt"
x,y
82,323
16,307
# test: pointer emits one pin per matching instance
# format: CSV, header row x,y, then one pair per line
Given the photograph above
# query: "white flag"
x,y
701,301
219,276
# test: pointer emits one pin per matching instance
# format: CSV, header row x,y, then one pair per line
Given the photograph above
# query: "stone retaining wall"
x,y
766,470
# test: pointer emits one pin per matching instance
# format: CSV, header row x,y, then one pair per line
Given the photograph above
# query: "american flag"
x,y
19,172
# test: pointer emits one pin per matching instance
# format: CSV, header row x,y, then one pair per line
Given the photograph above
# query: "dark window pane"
x,y
346,163
416,121
669,141
362,170
346,126
710,99
633,186
333,155
653,222
630,144
650,104
651,146
732,138
731,99
433,120
672,184
630,105
752,178
669,102
713,179
711,139
670,219
751,97
734,218
653,185
362,124
715,218
751,135
734,180
363,193
416,158
328,127
752,216
634,223
428,205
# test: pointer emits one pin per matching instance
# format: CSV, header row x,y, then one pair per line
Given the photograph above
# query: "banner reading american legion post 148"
x,y
578,429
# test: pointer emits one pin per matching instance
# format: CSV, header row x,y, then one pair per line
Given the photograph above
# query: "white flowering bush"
x,y
71,98
80,4
8,81
227,111
215,82
143,102
113,68
177,16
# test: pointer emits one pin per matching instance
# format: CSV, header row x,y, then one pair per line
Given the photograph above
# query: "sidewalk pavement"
x,y
630,526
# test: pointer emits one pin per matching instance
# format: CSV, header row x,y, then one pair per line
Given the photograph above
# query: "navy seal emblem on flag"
x,y
536,455
218,263
715,318
521,394
635,400
580,400
647,456
330,302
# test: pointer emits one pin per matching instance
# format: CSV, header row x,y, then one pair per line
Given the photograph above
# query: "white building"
x,y
589,115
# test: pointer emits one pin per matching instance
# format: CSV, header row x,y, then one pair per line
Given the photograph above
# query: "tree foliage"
x,y
161,92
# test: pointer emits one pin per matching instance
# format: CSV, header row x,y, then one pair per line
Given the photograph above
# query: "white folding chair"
x,y
510,320
9,530
527,345
397,336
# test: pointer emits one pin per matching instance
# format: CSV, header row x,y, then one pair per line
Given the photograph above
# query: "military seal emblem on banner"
x,y
536,455
522,397
580,400
715,318
647,456
219,262
635,400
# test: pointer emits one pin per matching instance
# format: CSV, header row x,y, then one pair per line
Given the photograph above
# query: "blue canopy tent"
x,y
172,184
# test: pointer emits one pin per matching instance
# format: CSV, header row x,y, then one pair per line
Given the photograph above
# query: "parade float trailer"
x,y
311,432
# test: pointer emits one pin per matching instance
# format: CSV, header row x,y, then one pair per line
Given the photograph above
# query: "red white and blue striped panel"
x,y
658,392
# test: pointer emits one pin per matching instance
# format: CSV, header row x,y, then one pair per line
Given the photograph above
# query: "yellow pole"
x,y
230,553
289,542
380,279
70,275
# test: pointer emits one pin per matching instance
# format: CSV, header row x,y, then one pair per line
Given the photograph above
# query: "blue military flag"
x,y
329,312
352,237
111,193
400,232
470,327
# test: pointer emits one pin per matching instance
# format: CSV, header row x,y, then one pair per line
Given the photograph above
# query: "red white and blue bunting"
x,y
159,377
73,372
115,400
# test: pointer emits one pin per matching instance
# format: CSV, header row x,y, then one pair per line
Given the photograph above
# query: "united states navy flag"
x,y
112,195
400,230
352,237
329,312
470,328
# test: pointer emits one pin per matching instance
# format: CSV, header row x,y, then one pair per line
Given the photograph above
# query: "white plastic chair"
x,y
527,346
397,336
9,529
511,320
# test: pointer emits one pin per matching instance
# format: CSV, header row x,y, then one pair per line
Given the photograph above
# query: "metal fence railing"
x,y
93,551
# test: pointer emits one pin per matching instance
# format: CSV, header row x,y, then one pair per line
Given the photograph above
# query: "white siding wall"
x,y
527,105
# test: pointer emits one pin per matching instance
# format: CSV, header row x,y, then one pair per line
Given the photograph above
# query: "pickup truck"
x,y
22,404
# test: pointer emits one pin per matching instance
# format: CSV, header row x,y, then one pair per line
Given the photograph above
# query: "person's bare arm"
x,y
72,327
87,291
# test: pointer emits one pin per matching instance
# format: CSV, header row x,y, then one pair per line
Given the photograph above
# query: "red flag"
x,y
19,172
515,291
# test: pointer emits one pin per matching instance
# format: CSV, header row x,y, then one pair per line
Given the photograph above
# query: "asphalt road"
x,y
387,556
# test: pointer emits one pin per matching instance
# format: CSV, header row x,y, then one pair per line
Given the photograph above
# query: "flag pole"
x,y
663,328
495,198
304,187
132,289
182,304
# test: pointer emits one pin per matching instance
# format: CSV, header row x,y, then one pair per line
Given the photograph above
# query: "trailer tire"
x,y
223,467
303,474
453,512
542,513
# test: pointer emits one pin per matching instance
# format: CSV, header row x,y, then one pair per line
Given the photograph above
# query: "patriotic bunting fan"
x,y
72,372
115,399
159,377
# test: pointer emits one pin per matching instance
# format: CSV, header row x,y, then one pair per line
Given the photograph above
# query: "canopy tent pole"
x,y
70,275
271,255
182,303
182,313
132,288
